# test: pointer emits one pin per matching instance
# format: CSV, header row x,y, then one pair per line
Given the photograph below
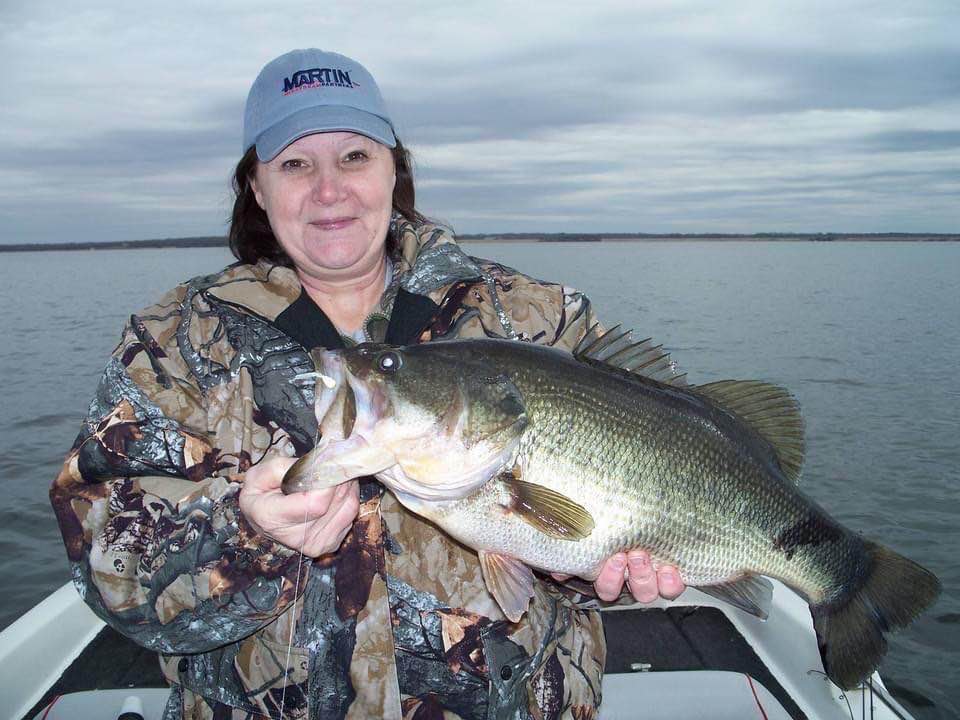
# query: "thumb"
x,y
268,476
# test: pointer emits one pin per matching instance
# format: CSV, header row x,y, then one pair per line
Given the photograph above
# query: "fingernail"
x,y
341,491
639,562
618,562
668,575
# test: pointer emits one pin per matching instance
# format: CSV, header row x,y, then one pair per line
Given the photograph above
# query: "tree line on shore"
x,y
219,241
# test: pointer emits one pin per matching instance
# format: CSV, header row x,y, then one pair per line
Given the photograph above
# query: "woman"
x,y
337,602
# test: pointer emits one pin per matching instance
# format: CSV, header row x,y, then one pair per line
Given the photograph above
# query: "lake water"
x,y
867,336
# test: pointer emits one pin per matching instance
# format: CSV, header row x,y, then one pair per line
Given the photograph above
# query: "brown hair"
x,y
251,238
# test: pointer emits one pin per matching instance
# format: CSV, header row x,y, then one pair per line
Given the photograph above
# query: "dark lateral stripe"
x,y
813,529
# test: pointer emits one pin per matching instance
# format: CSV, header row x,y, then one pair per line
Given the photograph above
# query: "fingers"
x,y
313,522
320,509
265,504
609,582
345,504
641,579
276,510
644,582
329,531
267,476
671,586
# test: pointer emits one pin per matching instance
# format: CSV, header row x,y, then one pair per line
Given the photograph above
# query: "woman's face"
x,y
328,198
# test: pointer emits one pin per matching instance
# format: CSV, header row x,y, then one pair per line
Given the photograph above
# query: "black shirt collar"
x,y
306,323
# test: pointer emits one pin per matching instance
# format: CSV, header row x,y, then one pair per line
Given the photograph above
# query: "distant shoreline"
x,y
195,242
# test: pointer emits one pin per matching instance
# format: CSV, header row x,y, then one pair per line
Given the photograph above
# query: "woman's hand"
x,y
313,523
645,583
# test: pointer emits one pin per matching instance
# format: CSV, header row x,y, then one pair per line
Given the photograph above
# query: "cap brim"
x,y
323,119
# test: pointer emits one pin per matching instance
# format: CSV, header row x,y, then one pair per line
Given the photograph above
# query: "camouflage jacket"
x,y
397,623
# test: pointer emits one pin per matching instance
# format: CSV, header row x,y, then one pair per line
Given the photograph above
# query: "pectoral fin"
x,y
751,593
548,511
509,581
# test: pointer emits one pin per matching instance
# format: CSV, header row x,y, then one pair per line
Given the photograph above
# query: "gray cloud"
x,y
520,93
914,140
130,152
668,116
880,79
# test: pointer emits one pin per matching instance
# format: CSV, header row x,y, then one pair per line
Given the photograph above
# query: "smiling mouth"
x,y
333,223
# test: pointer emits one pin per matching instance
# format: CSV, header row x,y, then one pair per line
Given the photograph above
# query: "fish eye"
x,y
389,362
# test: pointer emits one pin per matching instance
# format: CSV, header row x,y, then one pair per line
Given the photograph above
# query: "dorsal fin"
x,y
770,410
616,348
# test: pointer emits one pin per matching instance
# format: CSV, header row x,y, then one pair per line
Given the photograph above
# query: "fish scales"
x,y
537,458
621,447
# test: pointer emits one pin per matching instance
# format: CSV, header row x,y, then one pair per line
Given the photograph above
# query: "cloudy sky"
x,y
636,116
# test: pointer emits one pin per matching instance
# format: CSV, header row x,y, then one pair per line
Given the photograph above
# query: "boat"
x,y
692,658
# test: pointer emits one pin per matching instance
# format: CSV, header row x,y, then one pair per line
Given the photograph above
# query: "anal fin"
x,y
752,594
509,581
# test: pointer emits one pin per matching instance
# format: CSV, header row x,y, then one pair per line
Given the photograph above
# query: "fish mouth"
x,y
347,408
347,412
330,377
360,435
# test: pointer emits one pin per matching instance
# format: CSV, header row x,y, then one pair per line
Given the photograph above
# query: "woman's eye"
x,y
292,164
356,156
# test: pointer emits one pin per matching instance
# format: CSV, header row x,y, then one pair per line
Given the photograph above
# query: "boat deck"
x,y
675,638
110,661
685,638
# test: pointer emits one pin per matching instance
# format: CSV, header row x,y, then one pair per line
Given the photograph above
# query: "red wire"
x,y
49,707
754,691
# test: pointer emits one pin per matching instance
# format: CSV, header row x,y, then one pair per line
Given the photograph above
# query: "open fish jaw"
x,y
368,428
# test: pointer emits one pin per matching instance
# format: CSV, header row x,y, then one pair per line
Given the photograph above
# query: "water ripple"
x,y
51,419
836,381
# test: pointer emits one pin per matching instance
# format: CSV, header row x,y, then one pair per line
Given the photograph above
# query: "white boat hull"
x,y
39,647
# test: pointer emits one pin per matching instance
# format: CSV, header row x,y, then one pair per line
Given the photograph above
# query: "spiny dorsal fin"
x,y
548,511
616,348
771,411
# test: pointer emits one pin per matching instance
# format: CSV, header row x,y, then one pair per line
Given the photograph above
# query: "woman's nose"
x,y
327,187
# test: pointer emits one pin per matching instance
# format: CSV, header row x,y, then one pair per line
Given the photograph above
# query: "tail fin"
x,y
851,629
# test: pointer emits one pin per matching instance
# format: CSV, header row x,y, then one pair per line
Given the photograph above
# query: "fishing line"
x,y
293,618
756,699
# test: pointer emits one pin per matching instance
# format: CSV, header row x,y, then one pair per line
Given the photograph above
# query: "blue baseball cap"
x,y
311,91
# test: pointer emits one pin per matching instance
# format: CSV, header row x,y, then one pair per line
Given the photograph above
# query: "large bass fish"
x,y
538,458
